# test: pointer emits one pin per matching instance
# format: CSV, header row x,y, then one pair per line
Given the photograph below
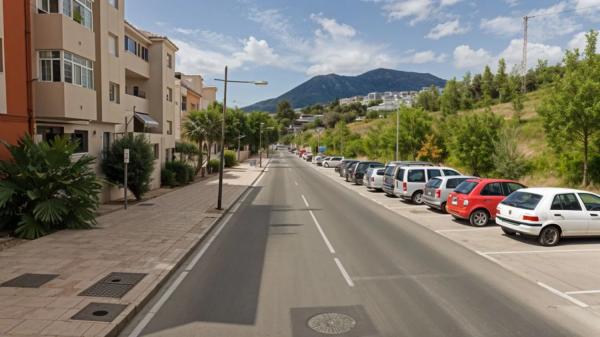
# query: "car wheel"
x,y
443,208
508,231
549,236
326,165
417,198
479,218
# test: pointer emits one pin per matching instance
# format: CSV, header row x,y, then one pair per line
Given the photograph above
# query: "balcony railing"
x,y
139,93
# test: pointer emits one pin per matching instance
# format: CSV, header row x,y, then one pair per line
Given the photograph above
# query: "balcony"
x,y
140,103
60,100
55,31
136,66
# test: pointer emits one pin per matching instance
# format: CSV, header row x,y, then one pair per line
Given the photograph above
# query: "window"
x,y
78,10
169,128
466,187
566,202
114,3
416,176
432,173
81,137
144,54
183,103
114,92
77,70
156,151
170,61
169,94
400,174
434,183
106,142
130,45
511,187
492,189
591,201
48,133
48,6
113,45
1,55
82,12
523,200
448,172
452,183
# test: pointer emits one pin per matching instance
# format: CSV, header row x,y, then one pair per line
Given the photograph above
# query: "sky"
x,y
286,42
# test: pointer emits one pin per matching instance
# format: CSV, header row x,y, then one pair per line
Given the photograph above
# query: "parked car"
x,y
333,162
344,165
374,178
349,170
550,214
361,168
437,190
410,181
319,160
308,157
390,173
306,154
476,199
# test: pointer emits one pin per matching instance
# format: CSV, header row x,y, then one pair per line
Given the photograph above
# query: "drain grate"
x,y
147,204
29,280
99,312
114,285
331,323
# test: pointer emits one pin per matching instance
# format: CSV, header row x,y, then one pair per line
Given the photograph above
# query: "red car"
x,y
476,199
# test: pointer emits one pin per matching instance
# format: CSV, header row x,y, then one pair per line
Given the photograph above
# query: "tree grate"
x,y
29,280
114,285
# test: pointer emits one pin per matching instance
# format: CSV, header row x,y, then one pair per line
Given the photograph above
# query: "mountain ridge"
x,y
322,89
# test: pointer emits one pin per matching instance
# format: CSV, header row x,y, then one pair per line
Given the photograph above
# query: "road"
x,y
300,245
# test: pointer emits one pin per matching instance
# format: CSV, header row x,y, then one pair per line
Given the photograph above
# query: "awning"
x,y
146,119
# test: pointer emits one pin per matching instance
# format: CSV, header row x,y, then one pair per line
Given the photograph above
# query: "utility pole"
x,y
524,64
397,133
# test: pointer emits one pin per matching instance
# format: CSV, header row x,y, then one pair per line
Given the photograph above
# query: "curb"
x,y
119,326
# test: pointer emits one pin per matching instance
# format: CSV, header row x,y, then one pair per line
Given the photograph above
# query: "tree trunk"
x,y
585,159
200,159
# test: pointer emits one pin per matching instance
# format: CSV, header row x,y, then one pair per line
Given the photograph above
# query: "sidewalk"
x,y
152,238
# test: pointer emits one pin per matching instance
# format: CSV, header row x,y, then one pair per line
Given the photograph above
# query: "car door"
x,y
566,211
591,202
415,180
490,196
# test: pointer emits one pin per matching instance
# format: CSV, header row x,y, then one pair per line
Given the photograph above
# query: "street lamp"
x,y
397,133
222,161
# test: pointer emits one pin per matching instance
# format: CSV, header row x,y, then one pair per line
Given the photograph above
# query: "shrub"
x,y
167,178
44,190
141,164
213,165
184,173
230,158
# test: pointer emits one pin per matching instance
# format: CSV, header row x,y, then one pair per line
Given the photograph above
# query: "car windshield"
x,y
466,187
389,170
434,183
524,200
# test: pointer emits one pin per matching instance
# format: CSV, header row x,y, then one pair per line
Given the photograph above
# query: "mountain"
x,y
326,88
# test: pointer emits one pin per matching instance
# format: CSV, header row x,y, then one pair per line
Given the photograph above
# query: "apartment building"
x,y
15,109
193,95
99,76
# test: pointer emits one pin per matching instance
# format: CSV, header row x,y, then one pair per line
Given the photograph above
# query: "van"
x,y
410,181
390,172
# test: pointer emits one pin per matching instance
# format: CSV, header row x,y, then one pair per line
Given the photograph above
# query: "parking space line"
x,y
541,251
463,230
576,292
563,295
344,272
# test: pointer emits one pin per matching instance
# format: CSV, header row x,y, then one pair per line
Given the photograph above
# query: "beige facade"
x,y
95,73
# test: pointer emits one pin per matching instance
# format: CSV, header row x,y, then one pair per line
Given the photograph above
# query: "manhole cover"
x,y
29,280
147,204
331,323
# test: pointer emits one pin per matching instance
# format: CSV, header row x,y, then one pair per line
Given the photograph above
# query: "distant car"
x,y
308,157
476,199
390,173
437,189
319,160
410,180
349,170
333,161
344,165
374,178
550,214
361,168
306,154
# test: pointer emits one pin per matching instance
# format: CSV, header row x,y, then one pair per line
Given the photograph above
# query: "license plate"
x,y
454,201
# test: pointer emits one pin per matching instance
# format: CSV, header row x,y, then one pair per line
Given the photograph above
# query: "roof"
x,y
452,177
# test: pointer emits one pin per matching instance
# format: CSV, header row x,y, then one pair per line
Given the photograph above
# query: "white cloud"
x,y
258,52
446,29
449,2
275,23
502,25
512,3
332,27
579,41
467,58
427,56
418,10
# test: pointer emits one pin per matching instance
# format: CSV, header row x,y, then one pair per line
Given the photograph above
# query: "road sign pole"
x,y
126,161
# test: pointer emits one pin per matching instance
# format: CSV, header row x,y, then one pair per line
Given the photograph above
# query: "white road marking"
x,y
463,229
582,292
163,299
329,246
541,251
344,272
563,295
305,201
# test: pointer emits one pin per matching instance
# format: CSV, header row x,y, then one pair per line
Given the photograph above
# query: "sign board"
x,y
126,156
322,149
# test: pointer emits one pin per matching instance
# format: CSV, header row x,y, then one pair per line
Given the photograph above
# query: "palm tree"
x,y
195,129
213,116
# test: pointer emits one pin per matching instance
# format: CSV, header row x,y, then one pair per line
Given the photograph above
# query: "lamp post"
x,y
222,156
397,133
270,128
260,145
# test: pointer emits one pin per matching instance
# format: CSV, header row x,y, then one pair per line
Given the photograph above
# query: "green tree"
x,y
572,112
44,189
487,86
473,140
509,162
139,169
285,113
195,129
466,93
415,124
501,82
429,99
450,100
517,96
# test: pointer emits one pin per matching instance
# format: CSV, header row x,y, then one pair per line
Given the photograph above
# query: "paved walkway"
x,y
152,238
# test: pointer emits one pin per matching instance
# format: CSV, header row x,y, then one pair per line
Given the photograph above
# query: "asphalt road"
x,y
300,245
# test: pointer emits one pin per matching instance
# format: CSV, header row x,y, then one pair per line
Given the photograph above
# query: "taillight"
x,y
530,218
404,186
438,194
497,211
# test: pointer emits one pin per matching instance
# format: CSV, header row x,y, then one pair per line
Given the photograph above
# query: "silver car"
x,y
437,190
374,178
390,172
333,162
410,181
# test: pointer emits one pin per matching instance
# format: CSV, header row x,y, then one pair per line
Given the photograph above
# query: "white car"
x,y
332,161
374,178
550,214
